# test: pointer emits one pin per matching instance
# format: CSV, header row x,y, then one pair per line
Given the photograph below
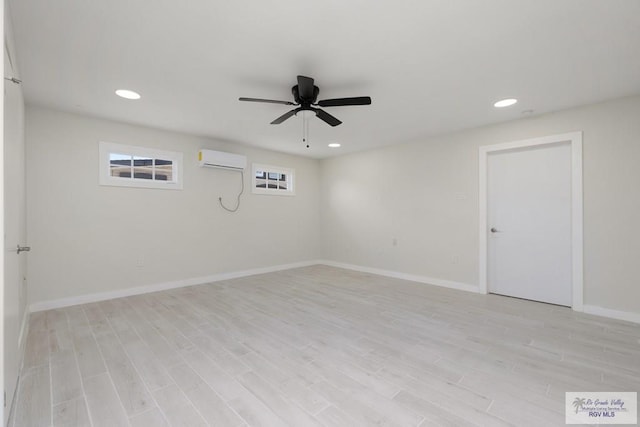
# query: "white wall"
x,y
88,238
425,195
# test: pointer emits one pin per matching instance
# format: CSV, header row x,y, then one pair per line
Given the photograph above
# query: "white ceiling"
x,y
430,66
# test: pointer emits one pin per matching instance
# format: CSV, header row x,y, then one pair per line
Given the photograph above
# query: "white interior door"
x,y
15,230
529,223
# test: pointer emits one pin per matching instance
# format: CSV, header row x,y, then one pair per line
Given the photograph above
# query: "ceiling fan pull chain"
x,y
305,131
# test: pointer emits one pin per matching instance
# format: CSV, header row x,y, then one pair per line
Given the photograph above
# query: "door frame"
x,y
575,141
2,284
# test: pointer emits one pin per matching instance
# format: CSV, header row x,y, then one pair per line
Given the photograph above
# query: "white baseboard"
x,y
589,309
612,314
102,296
83,299
404,276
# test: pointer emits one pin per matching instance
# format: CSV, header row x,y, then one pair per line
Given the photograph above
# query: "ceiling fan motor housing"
x,y
305,102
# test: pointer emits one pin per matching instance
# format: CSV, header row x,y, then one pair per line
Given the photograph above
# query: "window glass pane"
x,y
272,180
282,181
261,179
120,165
142,167
163,170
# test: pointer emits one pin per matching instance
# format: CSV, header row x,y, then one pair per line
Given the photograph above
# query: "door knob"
x,y
23,249
494,230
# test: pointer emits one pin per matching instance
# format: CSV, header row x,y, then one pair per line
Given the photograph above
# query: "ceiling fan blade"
x,y
285,116
326,117
305,87
270,101
360,100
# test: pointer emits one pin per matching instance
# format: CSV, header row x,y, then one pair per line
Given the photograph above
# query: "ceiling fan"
x,y
305,94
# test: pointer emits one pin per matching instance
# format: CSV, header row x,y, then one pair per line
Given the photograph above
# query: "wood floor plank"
x,y
304,396
151,418
37,349
65,377
105,408
359,392
60,339
210,405
434,414
217,352
266,369
177,408
148,366
89,358
97,319
254,411
33,406
521,412
271,397
356,409
334,417
131,389
225,385
222,337
158,345
72,413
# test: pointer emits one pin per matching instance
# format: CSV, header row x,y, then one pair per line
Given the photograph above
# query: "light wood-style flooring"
x,y
317,346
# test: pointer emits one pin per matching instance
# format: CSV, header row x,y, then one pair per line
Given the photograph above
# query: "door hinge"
x,y
13,80
5,399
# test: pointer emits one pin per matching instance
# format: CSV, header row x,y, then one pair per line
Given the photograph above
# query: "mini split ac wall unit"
x,y
220,159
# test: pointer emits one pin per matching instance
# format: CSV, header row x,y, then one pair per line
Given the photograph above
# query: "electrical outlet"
x,y
455,259
394,242
140,262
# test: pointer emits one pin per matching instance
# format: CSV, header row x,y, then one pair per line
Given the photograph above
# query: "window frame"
x,y
289,172
108,148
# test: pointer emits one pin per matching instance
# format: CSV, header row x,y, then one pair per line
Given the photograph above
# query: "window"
x,y
129,166
272,180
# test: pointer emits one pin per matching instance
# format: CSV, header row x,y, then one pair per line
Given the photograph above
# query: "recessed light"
x,y
334,145
505,102
128,94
